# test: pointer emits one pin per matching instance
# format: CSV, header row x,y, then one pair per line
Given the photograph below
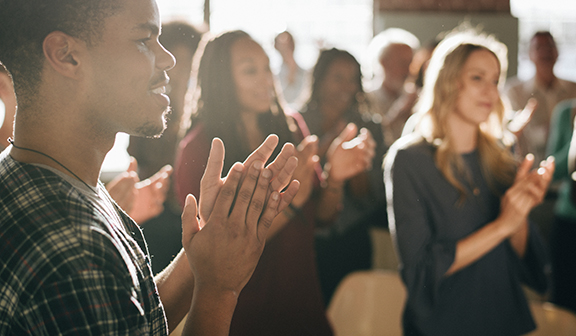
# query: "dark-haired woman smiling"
x,y
236,101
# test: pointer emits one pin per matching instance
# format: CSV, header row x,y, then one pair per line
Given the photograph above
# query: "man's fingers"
x,y
246,193
264,151
258,201
287,151
284,176
268,216
275,204
227,193
215,163
288,195
211,179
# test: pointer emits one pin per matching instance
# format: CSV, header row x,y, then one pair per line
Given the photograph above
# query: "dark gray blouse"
x,y
426,220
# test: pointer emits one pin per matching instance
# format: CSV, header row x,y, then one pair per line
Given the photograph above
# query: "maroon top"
x,y
283,296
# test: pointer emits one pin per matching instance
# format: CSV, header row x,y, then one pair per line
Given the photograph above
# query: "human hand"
x,y
282,169
122,188
521,118
150,195
307,154
527,191
142,200
350,154
224,252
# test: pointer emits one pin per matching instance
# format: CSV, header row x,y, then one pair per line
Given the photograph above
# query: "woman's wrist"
x,y
502,228
330,183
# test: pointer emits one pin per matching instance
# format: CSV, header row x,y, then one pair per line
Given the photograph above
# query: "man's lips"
x,y
159,90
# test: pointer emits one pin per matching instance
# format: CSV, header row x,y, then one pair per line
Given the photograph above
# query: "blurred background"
x,y
351,24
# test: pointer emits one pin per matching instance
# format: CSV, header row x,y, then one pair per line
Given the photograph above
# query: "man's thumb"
x,y
190,224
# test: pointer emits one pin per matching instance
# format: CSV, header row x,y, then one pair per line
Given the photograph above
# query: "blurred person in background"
x,y
336,100
237,102
293,79
562,145
394,97
545,87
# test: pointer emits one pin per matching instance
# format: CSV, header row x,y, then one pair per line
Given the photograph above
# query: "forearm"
x,y
519,240
175,286
330,200
359,185
211,313
476,245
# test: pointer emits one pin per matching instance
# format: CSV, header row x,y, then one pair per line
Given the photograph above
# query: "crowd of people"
x,y
251,194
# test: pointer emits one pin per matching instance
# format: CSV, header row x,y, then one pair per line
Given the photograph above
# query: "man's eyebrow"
x,y
149,26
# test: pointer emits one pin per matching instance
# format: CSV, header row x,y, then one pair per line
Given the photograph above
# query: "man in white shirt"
x,y
545,87
391,99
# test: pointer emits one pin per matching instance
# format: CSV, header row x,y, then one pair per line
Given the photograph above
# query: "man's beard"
x,y
154,130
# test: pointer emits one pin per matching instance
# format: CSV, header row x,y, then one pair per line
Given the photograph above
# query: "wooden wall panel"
x,y
470,6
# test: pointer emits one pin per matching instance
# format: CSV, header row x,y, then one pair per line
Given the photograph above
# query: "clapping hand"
x,y
142,200
307,154
528,190
350,153
521,118
223,246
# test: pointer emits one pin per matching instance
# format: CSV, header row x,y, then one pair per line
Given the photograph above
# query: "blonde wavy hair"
x,y
438,101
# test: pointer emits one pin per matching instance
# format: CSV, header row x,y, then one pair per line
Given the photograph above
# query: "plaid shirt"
x,y
66,268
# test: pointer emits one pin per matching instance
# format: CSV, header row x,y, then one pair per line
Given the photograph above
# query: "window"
x,y
556,16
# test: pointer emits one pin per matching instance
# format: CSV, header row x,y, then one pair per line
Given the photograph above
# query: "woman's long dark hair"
x,y
217,105
319,73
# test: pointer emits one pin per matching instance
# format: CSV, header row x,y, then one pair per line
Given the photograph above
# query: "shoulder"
x,y
49,229
35,193
567,82
409,150
568,85
514,83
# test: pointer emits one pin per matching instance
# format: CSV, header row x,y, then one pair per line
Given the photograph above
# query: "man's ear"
x,y
62,53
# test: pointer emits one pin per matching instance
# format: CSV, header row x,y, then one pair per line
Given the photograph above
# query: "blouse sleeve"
x,y
535,267
424,260
191,159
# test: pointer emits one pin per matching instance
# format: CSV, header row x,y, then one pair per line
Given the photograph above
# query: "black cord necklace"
x,y
11,141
